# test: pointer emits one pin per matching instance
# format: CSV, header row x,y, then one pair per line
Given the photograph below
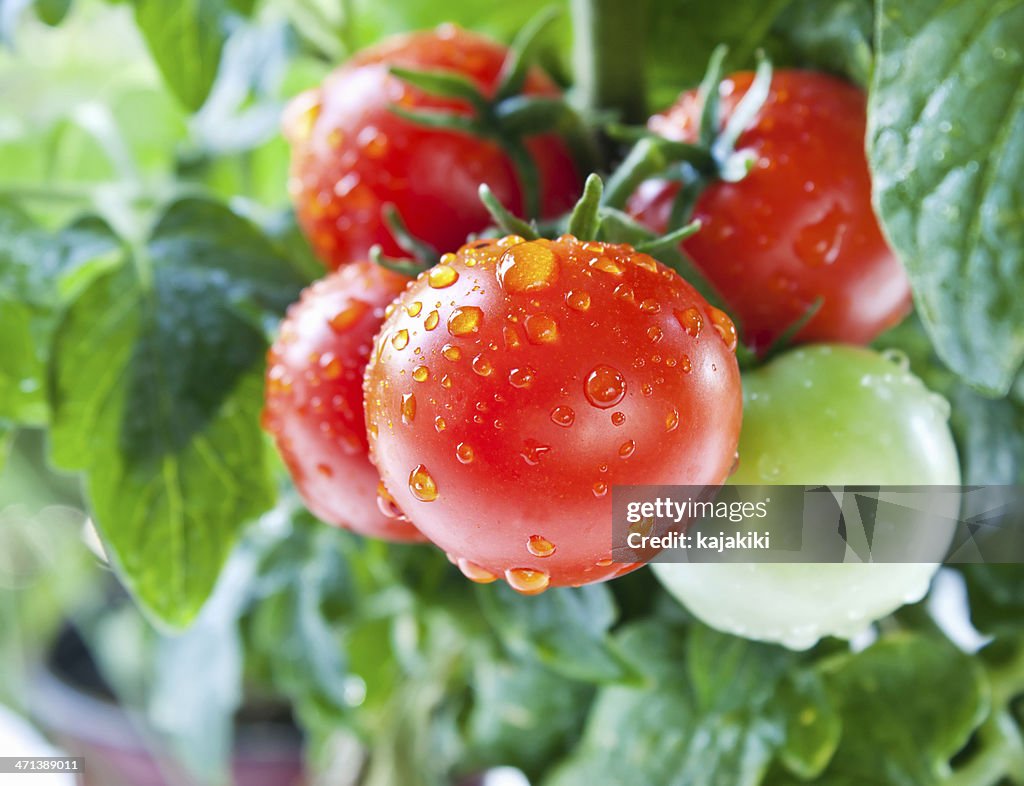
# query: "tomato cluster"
x,y
490,404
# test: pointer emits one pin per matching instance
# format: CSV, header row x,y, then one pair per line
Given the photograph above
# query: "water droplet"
x,y
521,377
414,308
386,503
650,306
464,453
618,418
527,581
685,364
422,485
527,267
533,451
431,321
348,316
898,358
627,449
563,416
606,265
691,321
446,382
408,408
625,293
482,366
331,365
465,320
439,424
655,334
821,243
724,327
605,387
401,339
474,572
540,546
421,373
768,467
600,489
451,352
604,563
442,276
577,300
541,329
672,420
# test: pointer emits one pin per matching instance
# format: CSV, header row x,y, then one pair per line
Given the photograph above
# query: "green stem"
x,y
608,55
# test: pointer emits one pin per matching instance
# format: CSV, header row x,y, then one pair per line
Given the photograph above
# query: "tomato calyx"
x,y
507,118
420,255
592,219
712,158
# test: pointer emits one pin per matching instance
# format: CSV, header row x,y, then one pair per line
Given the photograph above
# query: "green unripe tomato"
x,y
830,415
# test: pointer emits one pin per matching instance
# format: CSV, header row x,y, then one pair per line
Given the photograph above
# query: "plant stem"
x,y
608,54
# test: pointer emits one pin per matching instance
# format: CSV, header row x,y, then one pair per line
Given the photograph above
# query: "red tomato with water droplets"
x,y
800,225
314,399
520,381
351,154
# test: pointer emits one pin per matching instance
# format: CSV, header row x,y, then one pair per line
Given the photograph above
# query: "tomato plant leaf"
x,y
946,146
908,704
522,712
186,40
812,723
565,629
834,36
156,392
687,724
37,269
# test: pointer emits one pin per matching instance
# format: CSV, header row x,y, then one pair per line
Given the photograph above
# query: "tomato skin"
x,y
351,154
557,369
829,415
800,225
314,397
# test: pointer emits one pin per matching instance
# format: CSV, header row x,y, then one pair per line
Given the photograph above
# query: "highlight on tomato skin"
x,y
800,226
314,399
516,382
352,154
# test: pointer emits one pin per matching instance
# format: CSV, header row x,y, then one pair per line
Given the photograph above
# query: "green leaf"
x,y
702,719
946,145
522,714
813,725
6,438
156,393
990,435
835,36
908,704
186,40
37,269
682,34
565,629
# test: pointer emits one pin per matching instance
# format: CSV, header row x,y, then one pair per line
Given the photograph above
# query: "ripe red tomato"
x,y
314,398
351,154
519,381
800,226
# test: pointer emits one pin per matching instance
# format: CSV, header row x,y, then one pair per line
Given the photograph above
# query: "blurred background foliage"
x,y
391,664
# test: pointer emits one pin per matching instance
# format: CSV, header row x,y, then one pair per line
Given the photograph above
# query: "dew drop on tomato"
x,y
539,546
527,267
605,387
527,581
442,276
422,485
465,320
